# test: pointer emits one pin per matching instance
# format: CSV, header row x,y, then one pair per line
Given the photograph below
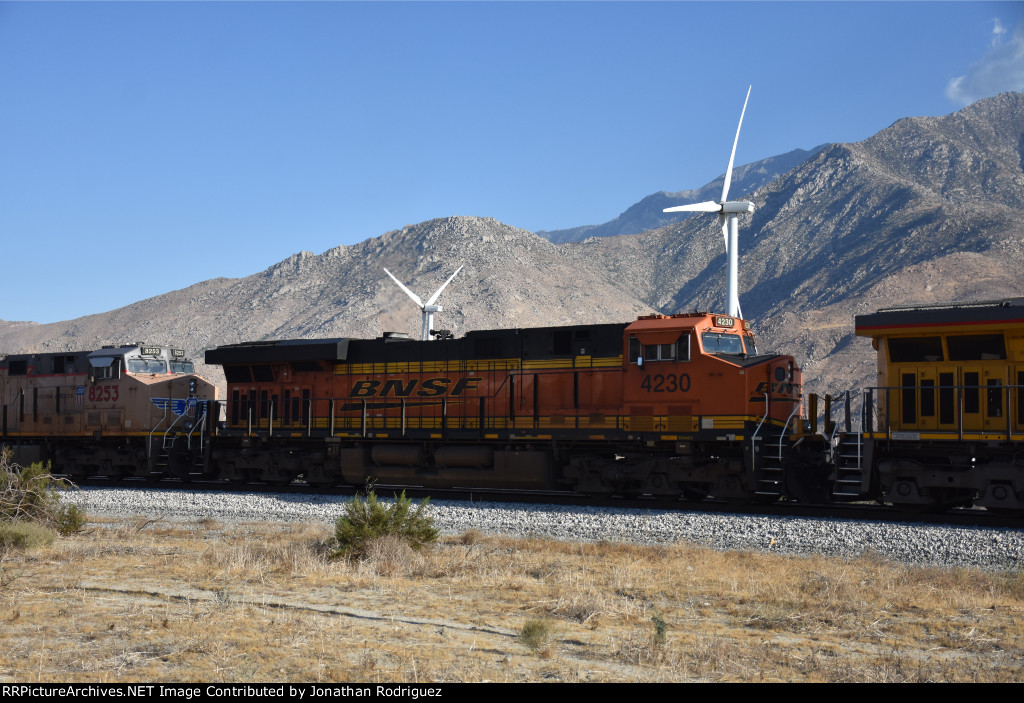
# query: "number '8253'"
x,y
101,393
667,383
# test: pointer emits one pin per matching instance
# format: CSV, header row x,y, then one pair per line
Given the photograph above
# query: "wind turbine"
x,y
428,307
728,214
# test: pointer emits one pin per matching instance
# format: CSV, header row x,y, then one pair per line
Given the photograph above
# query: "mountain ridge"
x,y
922,211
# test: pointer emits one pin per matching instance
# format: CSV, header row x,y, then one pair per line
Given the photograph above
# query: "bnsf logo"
x,y
781,388
413,387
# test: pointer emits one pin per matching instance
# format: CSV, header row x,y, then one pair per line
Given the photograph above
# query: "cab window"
x,y
182,367
146,366
719,343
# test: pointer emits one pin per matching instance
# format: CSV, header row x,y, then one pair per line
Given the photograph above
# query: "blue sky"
x,y
147,146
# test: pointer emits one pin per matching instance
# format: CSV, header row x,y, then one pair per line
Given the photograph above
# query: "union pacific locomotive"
x,y
944,426
135,410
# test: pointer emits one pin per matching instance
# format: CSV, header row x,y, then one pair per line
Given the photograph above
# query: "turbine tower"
x,y
728,214
428,307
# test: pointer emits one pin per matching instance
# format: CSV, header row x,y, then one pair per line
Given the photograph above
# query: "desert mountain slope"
x,y
512,278
856,227
924,211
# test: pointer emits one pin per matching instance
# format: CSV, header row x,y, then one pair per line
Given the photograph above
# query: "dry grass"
x,y
156,601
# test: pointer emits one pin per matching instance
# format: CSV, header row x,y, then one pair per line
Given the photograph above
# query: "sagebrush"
x,y
31,494
369,519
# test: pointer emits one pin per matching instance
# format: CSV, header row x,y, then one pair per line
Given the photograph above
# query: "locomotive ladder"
x,y
849,460
768,454
769,472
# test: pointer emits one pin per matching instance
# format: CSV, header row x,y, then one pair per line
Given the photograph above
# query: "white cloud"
x,y
1001,69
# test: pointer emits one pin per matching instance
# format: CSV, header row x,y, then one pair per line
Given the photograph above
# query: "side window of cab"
x,y
679,350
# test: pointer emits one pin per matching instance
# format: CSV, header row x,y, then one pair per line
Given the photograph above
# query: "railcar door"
x,y
984,397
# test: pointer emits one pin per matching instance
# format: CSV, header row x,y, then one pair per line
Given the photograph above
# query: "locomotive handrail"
x,y
782,434
200,423
767,409
1004,396
149,444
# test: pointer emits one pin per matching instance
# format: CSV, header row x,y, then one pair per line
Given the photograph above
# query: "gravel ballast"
x,y
938,545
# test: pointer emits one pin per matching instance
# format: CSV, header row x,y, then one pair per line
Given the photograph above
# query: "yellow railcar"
x,y
945,423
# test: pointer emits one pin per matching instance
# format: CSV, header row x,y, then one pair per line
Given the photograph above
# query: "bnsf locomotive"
x,y
670,406
667,406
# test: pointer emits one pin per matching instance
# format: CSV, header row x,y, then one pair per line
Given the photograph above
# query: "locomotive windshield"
x,y
146,366
182,367
718,343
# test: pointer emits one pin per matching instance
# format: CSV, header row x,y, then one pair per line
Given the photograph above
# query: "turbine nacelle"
x,y
738,206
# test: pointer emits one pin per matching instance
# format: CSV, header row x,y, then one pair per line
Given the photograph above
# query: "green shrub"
x,y
367,520
30,494
25,535
535,635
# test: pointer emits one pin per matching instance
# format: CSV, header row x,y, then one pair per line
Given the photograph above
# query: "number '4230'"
x,y
667,383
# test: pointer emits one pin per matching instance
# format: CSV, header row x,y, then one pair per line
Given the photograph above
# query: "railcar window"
x,y
927,397
751,347
971,397
562,343
261,373
909,380
182,367
946,398
904,349
718,343
1020,397
487,348
976,347
17,368
306,366
237,374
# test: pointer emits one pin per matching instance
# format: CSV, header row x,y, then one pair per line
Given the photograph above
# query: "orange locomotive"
x,y
134,410
667,405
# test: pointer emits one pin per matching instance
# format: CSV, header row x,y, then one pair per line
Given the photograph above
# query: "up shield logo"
x,y
413,387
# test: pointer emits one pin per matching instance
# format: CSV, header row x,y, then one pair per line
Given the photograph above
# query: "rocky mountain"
x,y
926,210
511,277
647,214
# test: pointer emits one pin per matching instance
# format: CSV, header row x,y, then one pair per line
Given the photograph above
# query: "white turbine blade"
x,y
706,206
432,298
725,232
415,298
732,156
